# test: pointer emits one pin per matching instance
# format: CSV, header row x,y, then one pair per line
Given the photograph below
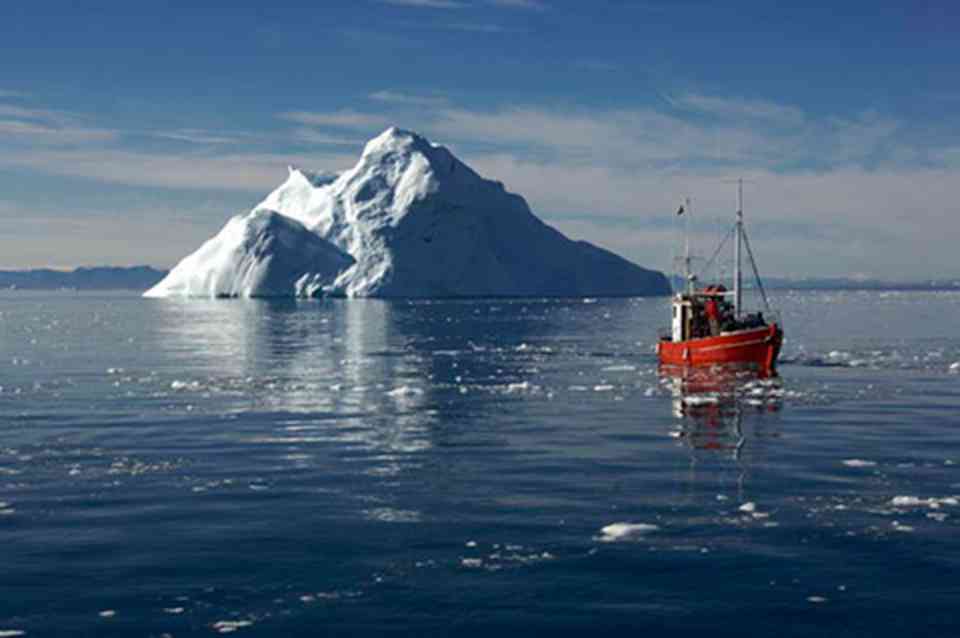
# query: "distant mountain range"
x,y
98,278
847,283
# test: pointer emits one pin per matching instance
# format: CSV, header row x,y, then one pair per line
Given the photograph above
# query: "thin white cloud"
x,y
242,172
428,4
739,108
344,118
397,97
198,136
476,27
536,5
312,136
47,127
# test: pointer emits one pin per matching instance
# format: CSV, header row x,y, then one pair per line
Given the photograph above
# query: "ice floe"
x,y
626,531
859,463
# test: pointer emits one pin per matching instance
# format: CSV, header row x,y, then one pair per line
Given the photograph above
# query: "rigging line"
x,y
756,273
717,251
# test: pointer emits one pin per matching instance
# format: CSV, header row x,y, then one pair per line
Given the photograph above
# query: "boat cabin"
x,y
708,313
702,313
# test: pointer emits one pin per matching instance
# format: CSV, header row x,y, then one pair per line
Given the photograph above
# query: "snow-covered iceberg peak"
x,y
417,222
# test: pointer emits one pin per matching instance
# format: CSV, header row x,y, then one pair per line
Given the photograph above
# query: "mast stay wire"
x,y
756,273
717,252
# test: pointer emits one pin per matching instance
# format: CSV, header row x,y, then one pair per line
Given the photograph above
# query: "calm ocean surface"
x,y
460,468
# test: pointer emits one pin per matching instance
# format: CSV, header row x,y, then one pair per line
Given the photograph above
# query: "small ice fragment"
x,y
230,626
11,633
748,507
307,598
404,391
603,387
907,501
859,463
816,599
471,562
626,531
471,543
955,366
897,526
107,613
114,370
722,497
173,610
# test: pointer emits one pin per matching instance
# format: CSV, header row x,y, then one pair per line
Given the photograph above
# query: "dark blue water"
x,y
454,468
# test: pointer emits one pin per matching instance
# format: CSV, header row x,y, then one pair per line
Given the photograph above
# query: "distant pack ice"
x,y
409,220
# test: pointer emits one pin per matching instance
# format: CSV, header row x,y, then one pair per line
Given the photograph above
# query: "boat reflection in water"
x,y
711,405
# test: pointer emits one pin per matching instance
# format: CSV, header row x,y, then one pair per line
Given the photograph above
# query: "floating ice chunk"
x,y
471,543
404,391
859,463
603,387
749,507
115,370
907,501
816,599
230,626
472,563
107,613
915,501
173,610
523,386
955,367
11,633
184,385
626,531
899,527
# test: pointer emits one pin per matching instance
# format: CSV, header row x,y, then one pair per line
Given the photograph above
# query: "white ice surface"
x,y
408,220
626,531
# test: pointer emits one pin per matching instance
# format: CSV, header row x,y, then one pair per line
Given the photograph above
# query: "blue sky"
x,y
129,134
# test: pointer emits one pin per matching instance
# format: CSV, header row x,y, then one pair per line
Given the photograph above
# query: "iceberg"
x,y
409,220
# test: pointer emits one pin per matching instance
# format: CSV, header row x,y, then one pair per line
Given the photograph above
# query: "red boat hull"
x,y
757,347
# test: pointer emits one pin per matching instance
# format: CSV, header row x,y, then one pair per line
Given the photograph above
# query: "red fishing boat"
x,y
710,326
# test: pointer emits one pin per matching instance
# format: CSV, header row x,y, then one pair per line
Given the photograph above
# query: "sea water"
x,y
476,467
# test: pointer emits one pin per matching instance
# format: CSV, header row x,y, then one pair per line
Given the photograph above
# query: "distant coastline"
x,y
143,277
853,283
94,278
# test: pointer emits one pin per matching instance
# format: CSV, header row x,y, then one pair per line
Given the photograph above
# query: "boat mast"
x,y
686,246
737,277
